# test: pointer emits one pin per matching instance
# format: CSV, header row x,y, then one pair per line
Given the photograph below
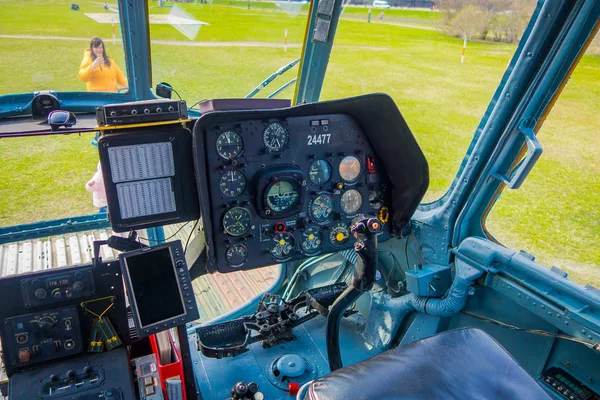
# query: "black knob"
x,y
133,112
40,294
158,110
87,369
113,113
179,264
252,388
239,390
71,373
54,377
78,286
46,323
171,109
56,294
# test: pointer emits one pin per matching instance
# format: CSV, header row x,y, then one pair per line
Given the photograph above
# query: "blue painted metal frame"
x,y
56,227
315,55
543,60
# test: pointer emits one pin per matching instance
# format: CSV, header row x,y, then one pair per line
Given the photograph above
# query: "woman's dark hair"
x,y
96,41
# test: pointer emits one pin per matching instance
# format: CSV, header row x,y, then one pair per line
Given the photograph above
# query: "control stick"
x,y
365,230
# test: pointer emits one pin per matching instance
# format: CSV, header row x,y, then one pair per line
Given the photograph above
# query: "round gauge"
x,y
232,183
322,207
276,136
350,168
312,239
283,195
283,246
237,221
229,145
319,172
339,234
236,254
351,201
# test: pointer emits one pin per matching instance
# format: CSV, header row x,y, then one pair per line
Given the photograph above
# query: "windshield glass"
x,y
213,49
441,65
47,45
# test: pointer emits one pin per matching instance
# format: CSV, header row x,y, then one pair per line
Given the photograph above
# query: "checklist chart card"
x,y
143,175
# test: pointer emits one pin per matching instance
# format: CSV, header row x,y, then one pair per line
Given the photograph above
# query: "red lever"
x,y
370,165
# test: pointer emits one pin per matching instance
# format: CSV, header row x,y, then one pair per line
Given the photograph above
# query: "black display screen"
x,y
155,287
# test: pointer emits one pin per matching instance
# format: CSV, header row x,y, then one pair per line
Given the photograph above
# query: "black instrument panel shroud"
x,y
369,128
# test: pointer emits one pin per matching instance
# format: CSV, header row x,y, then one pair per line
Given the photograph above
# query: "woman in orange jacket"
x,y
100,72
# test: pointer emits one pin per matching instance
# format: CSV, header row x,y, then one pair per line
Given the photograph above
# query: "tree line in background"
x,y
496,20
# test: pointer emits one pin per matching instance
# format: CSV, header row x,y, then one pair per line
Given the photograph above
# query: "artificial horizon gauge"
x,y
322,208
230,145
276,136
284,245
236,254
351,202
283,195
237,221
312,239
339,234
349,168
232,183
319,172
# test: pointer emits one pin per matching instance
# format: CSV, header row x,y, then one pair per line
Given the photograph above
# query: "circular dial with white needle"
x,y
276,136
351,202
237,221
232,183
349,168
230,145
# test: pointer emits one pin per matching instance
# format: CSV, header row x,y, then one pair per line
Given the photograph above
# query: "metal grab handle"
x,y
534,151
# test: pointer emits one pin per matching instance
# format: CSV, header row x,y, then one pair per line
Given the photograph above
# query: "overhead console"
x,y
281,185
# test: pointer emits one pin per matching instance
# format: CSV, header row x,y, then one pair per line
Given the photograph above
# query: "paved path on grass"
x,y
192,43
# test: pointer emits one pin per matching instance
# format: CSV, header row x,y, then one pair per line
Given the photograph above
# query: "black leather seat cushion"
x,y
459,364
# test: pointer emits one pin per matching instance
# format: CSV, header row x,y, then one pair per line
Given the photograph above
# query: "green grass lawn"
x,y
555,215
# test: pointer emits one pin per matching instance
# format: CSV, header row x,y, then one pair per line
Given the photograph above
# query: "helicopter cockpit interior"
x,y
379,296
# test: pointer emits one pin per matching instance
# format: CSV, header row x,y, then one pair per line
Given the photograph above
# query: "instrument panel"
x,y
280,189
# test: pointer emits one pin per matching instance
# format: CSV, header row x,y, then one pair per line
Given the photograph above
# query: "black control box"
x,y
138,112
57,287
42,336
102,376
